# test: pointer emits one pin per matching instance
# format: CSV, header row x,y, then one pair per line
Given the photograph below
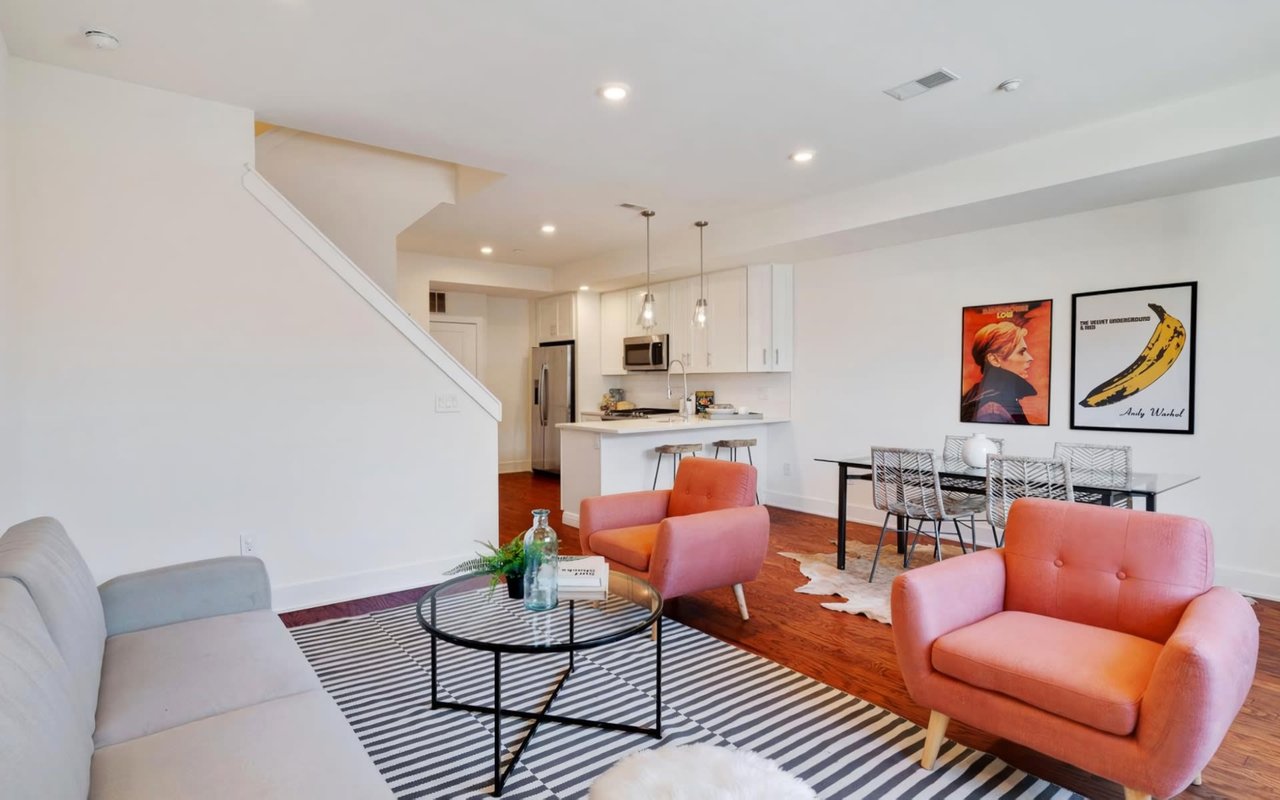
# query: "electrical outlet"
x,y
248,545
786,468
446,403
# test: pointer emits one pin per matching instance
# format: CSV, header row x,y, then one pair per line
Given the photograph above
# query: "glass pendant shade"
x,y
700,307
700,312
646,319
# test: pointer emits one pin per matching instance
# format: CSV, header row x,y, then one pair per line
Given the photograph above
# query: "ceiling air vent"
x,y
631,206
910,89
437,305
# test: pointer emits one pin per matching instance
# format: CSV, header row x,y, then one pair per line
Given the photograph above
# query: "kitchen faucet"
x,y
684,398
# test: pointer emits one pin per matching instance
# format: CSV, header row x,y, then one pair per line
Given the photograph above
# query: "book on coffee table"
x,y
587,572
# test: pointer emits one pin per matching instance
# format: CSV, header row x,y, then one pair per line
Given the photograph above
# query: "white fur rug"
x,y
698,772
870,599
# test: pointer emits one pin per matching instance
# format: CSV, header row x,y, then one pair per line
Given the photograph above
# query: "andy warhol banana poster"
x,y
1133,359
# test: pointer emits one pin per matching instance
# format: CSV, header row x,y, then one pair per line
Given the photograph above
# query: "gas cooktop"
x,y
637,413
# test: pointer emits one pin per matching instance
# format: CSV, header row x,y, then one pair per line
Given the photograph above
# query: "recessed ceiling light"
x,y
801,156
101,40
548,228
615,92
584,288
487,250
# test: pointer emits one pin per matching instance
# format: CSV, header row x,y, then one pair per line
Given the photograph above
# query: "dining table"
x,y
1102,486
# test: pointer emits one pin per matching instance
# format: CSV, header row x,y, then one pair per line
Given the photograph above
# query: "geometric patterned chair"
x,y
1095,636
1012,477
905,483
1100,465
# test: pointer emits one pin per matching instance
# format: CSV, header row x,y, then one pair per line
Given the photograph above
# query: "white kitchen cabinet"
x,y
726,334
770,318
556,318
613,329
686,342
661,310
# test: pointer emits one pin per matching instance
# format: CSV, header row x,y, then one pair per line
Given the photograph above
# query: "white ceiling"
x,y
723,90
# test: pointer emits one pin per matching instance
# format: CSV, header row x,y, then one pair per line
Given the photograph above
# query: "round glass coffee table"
x,y
465,612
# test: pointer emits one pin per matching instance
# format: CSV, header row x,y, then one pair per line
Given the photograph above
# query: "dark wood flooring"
x,y
856,654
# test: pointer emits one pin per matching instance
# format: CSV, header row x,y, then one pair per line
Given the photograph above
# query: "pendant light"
x,y
700,307
646,319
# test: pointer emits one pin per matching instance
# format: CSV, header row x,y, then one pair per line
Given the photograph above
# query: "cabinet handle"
x,y
764,356
775,355
708,358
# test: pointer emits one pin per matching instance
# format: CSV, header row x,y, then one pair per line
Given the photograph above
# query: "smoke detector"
x,y
1011,85
101,40
910,89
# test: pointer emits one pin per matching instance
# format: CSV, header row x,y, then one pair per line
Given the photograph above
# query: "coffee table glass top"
x,y
465,612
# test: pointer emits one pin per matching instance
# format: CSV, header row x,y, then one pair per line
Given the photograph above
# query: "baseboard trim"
x,y
1262,585
571,519
505,467
356,586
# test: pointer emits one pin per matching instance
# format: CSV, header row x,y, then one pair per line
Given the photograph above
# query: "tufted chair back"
x,y
705,484
1128,571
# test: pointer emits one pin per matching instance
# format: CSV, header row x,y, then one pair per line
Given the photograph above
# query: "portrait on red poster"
x,y
1006,357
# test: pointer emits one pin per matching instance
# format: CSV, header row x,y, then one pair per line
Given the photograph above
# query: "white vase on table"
x,y
976,449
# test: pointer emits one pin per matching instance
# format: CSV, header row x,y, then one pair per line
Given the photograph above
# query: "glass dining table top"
x,y
1134,482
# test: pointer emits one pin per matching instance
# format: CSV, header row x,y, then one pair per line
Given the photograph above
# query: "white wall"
x,y
505,338
190,371
361,197
877,353
418,270
9,465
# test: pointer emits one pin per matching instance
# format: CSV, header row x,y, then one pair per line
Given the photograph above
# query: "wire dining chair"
x,y
1012,477
904,482
1100,465
966,493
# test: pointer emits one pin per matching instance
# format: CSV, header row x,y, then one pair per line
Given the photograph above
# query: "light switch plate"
x,y
447,404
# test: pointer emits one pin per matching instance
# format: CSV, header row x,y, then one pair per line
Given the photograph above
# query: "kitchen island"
x,y
610,457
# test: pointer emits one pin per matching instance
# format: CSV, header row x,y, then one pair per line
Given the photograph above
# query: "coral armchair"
x,y
706,532
1094,636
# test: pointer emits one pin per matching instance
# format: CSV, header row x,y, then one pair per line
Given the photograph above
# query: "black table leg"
x,y
498,777
842,515
657,681
903,526
1151,502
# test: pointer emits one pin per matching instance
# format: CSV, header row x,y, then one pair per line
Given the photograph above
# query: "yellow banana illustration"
x,y
1164,347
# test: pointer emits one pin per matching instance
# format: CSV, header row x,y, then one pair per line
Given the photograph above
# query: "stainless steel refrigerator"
x,y
552,367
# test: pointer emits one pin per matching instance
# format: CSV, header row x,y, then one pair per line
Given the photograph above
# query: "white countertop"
x,y
656,425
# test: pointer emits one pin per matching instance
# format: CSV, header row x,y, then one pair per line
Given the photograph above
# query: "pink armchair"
x,y
704,533
1094,636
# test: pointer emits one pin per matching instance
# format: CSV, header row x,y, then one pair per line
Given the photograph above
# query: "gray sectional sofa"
x,y
174,683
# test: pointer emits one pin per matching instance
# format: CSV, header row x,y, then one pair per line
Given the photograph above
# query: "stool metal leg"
x,y
675,467
656,471
717,456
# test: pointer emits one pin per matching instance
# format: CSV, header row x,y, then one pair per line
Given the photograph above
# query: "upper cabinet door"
x,y
682,294
783,311
760,356
557,320
546,316
727,321
613,329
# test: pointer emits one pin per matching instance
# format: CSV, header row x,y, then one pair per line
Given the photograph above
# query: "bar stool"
x,y
732,446
675,451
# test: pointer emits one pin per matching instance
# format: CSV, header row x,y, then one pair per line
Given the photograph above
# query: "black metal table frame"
x,y
903,526
571,647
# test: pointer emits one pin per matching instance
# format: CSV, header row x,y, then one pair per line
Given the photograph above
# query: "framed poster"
x,y
1004,374
1133,359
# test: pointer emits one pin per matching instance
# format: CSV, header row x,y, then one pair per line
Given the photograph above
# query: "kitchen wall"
x,y
190,371
878,353
9,472
769,393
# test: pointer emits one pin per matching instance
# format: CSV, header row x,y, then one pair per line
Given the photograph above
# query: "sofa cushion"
x,y
1091,675
40,555
159,678
45,745
632,546
297,746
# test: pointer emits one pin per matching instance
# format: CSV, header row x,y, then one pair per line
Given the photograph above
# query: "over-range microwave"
x,y
646,353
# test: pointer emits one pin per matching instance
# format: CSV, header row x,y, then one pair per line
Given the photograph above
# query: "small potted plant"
x,y
505,561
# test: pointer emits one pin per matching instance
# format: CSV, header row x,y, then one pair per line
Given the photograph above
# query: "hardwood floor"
x,y
856,654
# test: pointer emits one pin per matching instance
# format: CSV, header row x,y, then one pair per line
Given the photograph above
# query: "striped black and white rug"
x,y
377,669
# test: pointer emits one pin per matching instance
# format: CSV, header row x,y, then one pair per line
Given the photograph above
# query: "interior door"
x,y
461,339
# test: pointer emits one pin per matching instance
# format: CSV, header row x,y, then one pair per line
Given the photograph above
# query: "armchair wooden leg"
x,y
742,601
1135,794
1198,780
934,738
